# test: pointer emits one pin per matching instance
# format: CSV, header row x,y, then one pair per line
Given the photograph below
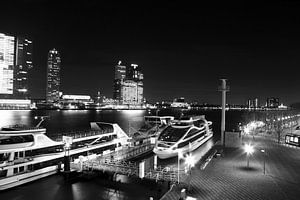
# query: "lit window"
x,y
296,139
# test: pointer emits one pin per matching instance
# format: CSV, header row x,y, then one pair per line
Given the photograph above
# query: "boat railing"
x,y
21,126
78,134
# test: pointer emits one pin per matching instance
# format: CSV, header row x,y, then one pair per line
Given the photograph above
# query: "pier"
x,y
119,161
129,161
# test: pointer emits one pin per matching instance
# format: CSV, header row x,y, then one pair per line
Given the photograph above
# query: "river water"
x,y
100,188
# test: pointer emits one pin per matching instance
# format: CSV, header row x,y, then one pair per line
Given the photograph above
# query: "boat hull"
x,y
17,180
169,153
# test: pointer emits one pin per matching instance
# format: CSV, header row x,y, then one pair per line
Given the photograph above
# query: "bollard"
x,y
182,194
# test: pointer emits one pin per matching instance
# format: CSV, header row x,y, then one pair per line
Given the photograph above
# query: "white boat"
x,y
183,136
28,154
153,125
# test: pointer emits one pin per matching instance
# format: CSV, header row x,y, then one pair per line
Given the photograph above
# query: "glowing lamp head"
x,y
249,149
190,161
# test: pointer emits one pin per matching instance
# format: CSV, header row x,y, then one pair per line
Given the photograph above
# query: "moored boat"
x,y
28,154
183,136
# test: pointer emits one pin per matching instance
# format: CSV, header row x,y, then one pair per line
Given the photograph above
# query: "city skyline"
x,y
184,49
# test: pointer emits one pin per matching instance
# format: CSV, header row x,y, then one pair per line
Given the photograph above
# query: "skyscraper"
x,y
120,75
23,63
15,63
134,73
53,76
128,84
7,52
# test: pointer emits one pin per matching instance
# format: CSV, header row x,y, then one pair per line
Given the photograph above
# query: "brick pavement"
x,y
229,178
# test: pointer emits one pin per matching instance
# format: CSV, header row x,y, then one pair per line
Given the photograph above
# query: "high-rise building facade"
x,y
23,58
15,63
252,103
120,75
129,92
134,73
128,84
7,55
53,76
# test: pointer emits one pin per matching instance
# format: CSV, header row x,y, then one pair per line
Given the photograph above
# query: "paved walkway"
x,y
228,177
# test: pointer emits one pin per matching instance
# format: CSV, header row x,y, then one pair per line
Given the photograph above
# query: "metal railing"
x,y
77,134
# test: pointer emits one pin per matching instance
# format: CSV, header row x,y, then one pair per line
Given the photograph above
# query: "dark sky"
x,y
183,48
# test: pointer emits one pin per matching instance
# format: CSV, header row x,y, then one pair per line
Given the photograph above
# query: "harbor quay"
x,y
270,172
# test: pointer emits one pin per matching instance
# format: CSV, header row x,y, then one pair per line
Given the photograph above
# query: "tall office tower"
x,y
129,92
120,75
7,51
23,63
53,76
134,73
252,103
249,103
255,103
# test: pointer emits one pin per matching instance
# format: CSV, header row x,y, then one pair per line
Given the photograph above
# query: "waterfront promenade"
x,y
228,177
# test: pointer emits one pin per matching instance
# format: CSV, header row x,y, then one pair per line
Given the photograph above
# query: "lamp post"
x,y
264,152
249,150
190,161
178,164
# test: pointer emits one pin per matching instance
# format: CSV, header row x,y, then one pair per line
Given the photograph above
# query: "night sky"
x,y
183,48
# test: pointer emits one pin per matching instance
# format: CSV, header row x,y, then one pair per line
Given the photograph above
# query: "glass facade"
x,y
23,65
129,92
128,84
120,75
7,47
15,63
53,76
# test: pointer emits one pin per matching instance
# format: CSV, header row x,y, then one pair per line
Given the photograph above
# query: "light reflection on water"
x,y
72,120
11,117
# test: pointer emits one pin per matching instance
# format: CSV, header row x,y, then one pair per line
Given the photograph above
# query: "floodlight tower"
x,y
223,88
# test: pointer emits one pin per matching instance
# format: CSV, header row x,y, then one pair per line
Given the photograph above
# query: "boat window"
x,y
171,134
4,157
3,173
21,169
188,141
15,170
105,128
16,139
199,123
192,132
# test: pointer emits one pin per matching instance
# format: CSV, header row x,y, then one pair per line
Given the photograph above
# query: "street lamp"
x,y
264,152
180,155
190,162
249,150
